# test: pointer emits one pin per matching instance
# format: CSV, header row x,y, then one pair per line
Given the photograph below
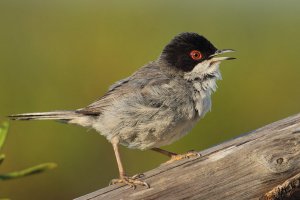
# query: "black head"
x,y
186,50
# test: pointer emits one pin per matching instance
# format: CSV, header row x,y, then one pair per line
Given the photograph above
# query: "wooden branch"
x,y
263,164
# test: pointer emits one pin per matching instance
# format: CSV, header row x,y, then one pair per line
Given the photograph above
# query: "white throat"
x,y
203,78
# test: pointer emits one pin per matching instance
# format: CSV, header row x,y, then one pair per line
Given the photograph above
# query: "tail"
x,y
64,116
72,117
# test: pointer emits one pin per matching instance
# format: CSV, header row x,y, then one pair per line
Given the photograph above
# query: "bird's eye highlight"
x,y
196,55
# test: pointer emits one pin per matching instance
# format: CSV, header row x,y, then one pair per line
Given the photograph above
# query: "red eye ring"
x,y
196,55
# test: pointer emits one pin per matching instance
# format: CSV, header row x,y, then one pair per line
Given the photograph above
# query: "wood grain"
x,y
247,167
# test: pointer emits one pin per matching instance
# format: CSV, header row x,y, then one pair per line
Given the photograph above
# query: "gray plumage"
x,y
152,108
155,106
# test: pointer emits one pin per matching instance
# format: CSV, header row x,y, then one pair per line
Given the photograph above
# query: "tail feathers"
x,y
55,115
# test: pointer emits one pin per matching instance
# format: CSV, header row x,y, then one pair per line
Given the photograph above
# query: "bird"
x,y
156,105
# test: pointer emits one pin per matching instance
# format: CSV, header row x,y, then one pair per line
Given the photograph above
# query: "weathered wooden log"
x,y
262,164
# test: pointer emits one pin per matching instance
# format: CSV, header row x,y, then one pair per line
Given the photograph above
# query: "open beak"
x,y
213,57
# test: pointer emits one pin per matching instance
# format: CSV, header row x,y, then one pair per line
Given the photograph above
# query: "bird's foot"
x,y
189,154
131,181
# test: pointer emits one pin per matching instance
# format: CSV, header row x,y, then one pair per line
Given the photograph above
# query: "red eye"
x,y
196,55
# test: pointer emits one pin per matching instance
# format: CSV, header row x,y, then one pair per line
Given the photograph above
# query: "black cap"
x,y
178,52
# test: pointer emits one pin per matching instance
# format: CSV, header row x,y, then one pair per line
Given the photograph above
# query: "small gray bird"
x,y
156,105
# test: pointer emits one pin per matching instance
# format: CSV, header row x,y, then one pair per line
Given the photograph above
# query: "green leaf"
x,y
3,133
29,171
2,157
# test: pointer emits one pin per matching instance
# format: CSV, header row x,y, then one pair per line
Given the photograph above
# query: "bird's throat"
x,y
204,84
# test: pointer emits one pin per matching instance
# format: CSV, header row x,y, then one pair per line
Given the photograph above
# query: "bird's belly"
x,y
143,127
176,133
156,136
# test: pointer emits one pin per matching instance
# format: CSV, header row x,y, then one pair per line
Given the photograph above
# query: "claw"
x,y
131,181
189,154
138,176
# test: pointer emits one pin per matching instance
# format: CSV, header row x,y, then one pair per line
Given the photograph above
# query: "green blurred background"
x,y
65,54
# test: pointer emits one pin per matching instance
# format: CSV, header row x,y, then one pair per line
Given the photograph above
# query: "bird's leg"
x,y
131,181
174,156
